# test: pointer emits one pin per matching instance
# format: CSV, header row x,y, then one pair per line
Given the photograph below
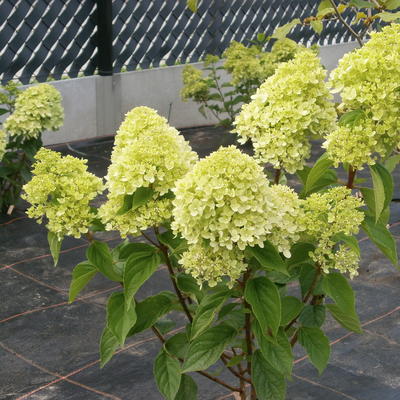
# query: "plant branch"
x,y
351,177
277,175
213,378
343,21
148,238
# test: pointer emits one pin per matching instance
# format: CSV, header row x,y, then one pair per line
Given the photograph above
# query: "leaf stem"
x,y
351,177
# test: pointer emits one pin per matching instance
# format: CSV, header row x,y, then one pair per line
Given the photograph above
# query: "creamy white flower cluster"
x,y
368,81
37,109
287,110
224,205
327,215
60,192
148,153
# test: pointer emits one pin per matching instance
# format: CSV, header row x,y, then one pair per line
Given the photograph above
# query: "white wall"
x,y
95,106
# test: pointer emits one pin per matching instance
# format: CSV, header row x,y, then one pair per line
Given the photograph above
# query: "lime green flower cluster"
x,y
327,215
210,265
3,143
287,109
225,204
285,50
60,191
37,109
247,65
195,86
148,154
368,81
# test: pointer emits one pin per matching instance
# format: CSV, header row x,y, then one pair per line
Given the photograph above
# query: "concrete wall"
x,y
95,106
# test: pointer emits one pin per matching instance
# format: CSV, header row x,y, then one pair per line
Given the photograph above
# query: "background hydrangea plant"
x,y
31,112
247,67
254,266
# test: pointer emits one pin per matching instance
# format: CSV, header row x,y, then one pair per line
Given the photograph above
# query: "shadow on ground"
x,y
49,348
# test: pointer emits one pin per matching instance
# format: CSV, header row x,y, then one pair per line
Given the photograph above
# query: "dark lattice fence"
x,y
55,38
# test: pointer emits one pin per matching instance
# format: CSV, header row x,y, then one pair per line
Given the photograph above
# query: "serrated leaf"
x,y
99,255
167,373
140,249
317,346
392,4
206,349
324,4
136,272
133,201
192,5
382,238
206,311
312,316
55,246
317,25
300,254
108,344
339,290
265,301
351,118
282,31
268,383
187,389
268,257
361,4
119,320
317,171
177,345
291,308
151,309
81,275
187,284
383,188
349,321
278,354
392,161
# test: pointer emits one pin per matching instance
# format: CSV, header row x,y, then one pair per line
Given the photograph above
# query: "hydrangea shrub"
x,y
31,112
246,67
254,266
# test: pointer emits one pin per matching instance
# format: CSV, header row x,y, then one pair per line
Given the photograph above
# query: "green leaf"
x,y
300,254
383,188
175,243
391,162
136,272
317,25
187,389
133,201
268,383
291,308
324,4
339,290
349,321
268,257
119,320
81,275
317,346
151,309
108,344
206,311
307,276
312,316
192,5
282,31
392,4
206,349
351,118
382,238
317,172
278,354
167,373
187,284
177,345
100,256
55,246
350,241
264,298
140,249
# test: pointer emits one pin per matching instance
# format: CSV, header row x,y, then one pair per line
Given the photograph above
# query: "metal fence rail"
x,y
42,39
